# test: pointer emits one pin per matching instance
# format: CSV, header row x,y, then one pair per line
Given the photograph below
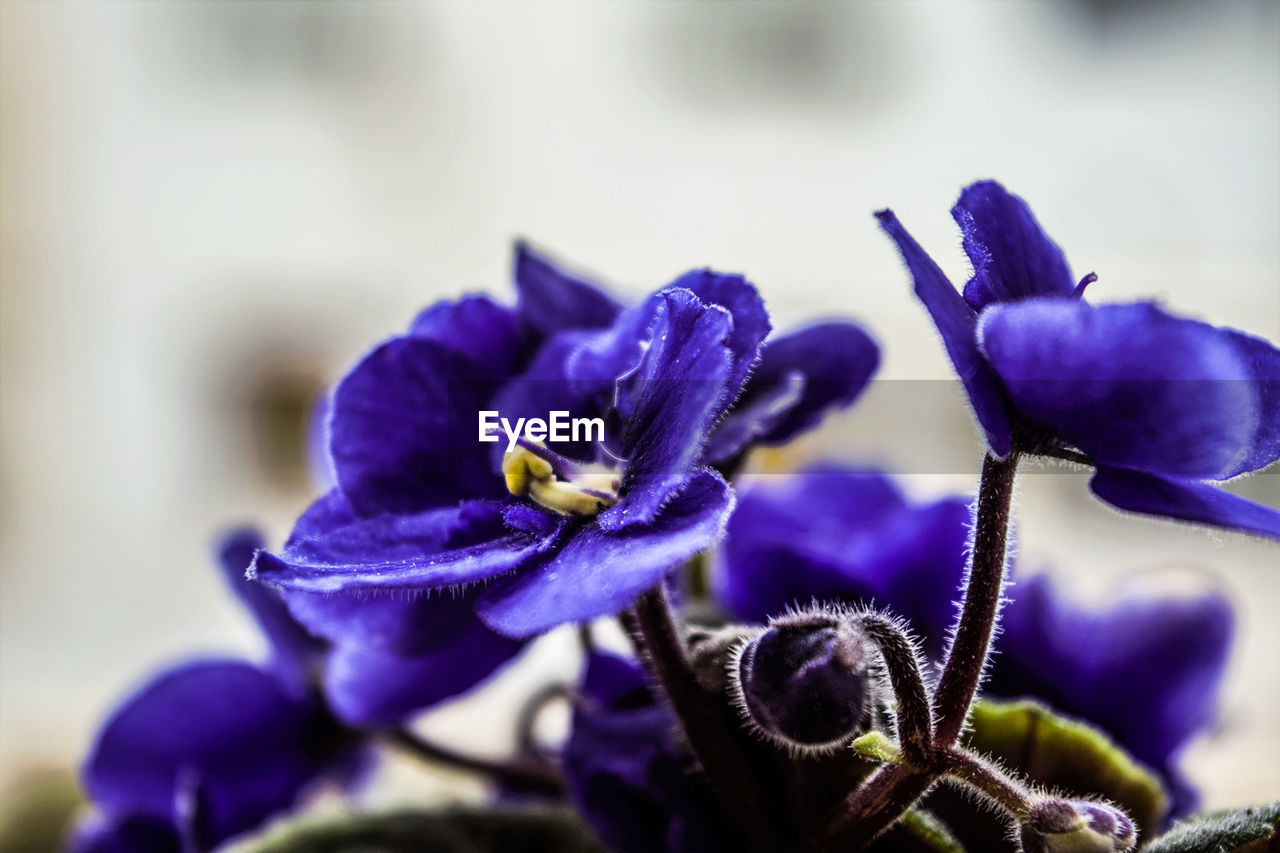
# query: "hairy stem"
x,y
968,655
987,779
879,802
520,774
708,724
914,717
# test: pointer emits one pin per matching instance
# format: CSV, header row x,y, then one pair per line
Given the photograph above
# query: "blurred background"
x,y
208,210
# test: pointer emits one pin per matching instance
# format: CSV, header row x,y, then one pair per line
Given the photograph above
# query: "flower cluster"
x,y
815,678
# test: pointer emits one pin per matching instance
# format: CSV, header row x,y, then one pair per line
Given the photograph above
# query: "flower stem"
x,y
880,801
983,591
987,780
519,774
914,718
708,724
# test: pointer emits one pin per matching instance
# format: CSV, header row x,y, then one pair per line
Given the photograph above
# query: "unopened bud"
x,y
804,682
1076,826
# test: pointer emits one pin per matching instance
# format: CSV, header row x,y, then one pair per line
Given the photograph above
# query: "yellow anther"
x,y
528,474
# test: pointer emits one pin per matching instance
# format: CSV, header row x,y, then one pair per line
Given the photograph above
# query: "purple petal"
x,y
1262,360
404,429
294,652
598,573
476,327
552,300
227,725
1128,384
750,319
754,417
843,534
670,403
1147,671
1012,256
1184,500
368,687
837,361
439,548
957,323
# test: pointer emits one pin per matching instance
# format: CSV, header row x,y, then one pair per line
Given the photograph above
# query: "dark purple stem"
x,y
708,724
874,806
968,656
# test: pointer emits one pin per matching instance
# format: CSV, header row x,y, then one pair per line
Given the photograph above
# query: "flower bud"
x,y
1076,826
804,682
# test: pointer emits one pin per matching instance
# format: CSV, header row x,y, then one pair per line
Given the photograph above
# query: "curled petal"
x,y
750,319
1012,257
456,545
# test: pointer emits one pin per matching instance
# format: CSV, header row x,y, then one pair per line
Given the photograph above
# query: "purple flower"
x,y
1146,671
211,749
628,775
425,518
1160,405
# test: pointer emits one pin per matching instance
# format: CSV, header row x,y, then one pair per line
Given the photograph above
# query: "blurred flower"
x,y
213,748
1146,671
420,505
628,775
1159,404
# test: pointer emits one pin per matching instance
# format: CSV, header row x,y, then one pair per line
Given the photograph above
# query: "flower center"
x,y
583,492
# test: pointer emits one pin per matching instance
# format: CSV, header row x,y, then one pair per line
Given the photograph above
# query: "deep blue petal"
x,y
552,300
753,417
837,361
404,433
294,651
476,327
669,403
1128,384
1145,670
1262,360
368,687
226,726
1012,257
599,573
1185,500
456,545
957,323
750,319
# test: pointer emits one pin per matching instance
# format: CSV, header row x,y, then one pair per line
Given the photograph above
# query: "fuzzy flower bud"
x,y
804,682
1076,826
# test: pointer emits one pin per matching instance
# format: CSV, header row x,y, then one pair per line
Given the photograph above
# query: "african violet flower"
x,y
628,775
211,749
1158,404
532,540
1146,671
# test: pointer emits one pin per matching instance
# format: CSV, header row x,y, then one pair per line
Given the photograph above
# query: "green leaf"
x,y
1064,754
454,830
1244,830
